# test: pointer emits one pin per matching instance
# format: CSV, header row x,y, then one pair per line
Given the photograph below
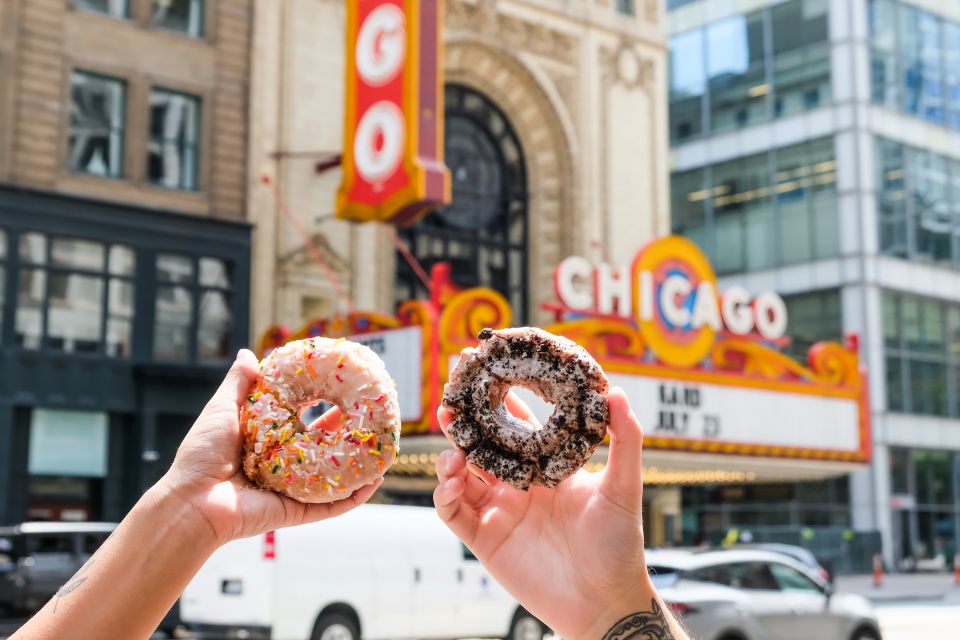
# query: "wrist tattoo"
x,y
643,625
68,588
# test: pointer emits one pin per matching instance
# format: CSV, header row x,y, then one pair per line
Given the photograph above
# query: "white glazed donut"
x,y
314,465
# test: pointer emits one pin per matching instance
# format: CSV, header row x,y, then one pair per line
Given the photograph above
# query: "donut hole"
x,y
539,406
319,415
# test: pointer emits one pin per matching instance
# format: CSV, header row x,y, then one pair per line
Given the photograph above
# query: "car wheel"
x,y
526,627
335,626
865,634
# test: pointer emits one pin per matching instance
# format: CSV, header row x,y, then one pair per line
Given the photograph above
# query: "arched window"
x,y
483,233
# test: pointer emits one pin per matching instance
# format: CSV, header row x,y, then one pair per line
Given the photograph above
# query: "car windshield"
x,y
663,577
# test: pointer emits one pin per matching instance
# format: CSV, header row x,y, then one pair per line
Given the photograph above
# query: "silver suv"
x,y
37,558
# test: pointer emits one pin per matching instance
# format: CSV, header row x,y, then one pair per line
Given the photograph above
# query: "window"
x,y
626,7
920,51
174,136
688,213
747,68
65,291
215,310
736,72
919,203
915,61
883,42
31,290
760,211
718,574
194,309
807,201
185,16
801,55
115,8
921,364
754,576
688,83
789,579
96,124
813,317
483,232
49,543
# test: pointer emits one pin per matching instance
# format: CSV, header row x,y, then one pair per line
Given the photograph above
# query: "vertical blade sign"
x,y
393,167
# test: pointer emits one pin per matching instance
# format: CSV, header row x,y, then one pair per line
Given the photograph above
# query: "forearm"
x,y
127,587
642,615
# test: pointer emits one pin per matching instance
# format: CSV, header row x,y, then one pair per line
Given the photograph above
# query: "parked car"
x,y
37,558
379,571
801,555
757,595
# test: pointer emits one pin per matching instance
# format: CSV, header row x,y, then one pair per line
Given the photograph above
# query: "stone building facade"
x,y
564,101
124,251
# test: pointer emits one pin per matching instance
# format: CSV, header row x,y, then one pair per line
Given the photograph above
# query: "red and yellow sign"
x,y
670,293
392,162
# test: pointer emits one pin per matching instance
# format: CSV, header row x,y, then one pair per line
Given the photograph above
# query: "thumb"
x,y
623,477
236,384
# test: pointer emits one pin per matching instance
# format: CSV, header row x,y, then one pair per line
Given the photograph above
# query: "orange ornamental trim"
x,y
392,155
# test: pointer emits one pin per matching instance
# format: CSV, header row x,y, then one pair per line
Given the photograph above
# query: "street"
x,y
927,619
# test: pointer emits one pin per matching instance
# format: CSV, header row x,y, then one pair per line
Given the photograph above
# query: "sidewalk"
x,y
900,586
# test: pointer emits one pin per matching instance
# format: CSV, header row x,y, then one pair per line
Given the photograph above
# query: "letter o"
x,y
377,164
770,315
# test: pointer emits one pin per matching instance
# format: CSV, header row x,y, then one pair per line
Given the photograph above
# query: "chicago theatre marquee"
x,y
721,405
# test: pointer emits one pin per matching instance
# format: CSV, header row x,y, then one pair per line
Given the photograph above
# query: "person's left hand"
x,y
207,473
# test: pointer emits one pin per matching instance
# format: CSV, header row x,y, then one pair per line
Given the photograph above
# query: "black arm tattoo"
x,y
643,625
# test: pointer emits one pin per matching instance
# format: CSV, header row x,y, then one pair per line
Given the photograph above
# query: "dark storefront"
x,y
116,324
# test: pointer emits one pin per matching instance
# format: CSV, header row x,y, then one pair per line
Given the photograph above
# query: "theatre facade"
x,y
728,417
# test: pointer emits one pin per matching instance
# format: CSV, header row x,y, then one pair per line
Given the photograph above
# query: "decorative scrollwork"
x,y
603,337
830,364
469,311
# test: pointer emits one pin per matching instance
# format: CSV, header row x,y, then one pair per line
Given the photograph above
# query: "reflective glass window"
x,y
70,253
74,312
119,318
97,114
172,151
115,8
813,317
891,199
736,72
801,55
920,55
122,260
895,373
214,273
688,206
932,210
688,83
172,328
174,268
951,73
884,76
899,470
185,16
31,292
215,318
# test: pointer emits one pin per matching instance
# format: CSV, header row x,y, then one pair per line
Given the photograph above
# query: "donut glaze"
x,y
281,454
555,368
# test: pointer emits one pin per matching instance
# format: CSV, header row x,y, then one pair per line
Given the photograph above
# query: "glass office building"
x,y
816,152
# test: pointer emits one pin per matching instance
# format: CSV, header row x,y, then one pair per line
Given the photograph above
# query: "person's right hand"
x,y
572,556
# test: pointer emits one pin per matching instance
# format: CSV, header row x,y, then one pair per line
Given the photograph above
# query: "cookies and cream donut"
x,y
555,368
280,453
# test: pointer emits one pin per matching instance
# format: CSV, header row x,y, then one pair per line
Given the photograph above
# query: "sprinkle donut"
x,y
280,453
555,368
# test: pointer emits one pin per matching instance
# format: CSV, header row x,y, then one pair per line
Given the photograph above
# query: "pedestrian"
x,y
572,555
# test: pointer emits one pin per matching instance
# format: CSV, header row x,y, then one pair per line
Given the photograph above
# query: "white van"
x,y
380,571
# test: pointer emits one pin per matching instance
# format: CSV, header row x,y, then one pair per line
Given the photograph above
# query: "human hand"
x,y
207,473
573,555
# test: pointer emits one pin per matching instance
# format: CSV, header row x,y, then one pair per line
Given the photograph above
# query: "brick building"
x,y
124,251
